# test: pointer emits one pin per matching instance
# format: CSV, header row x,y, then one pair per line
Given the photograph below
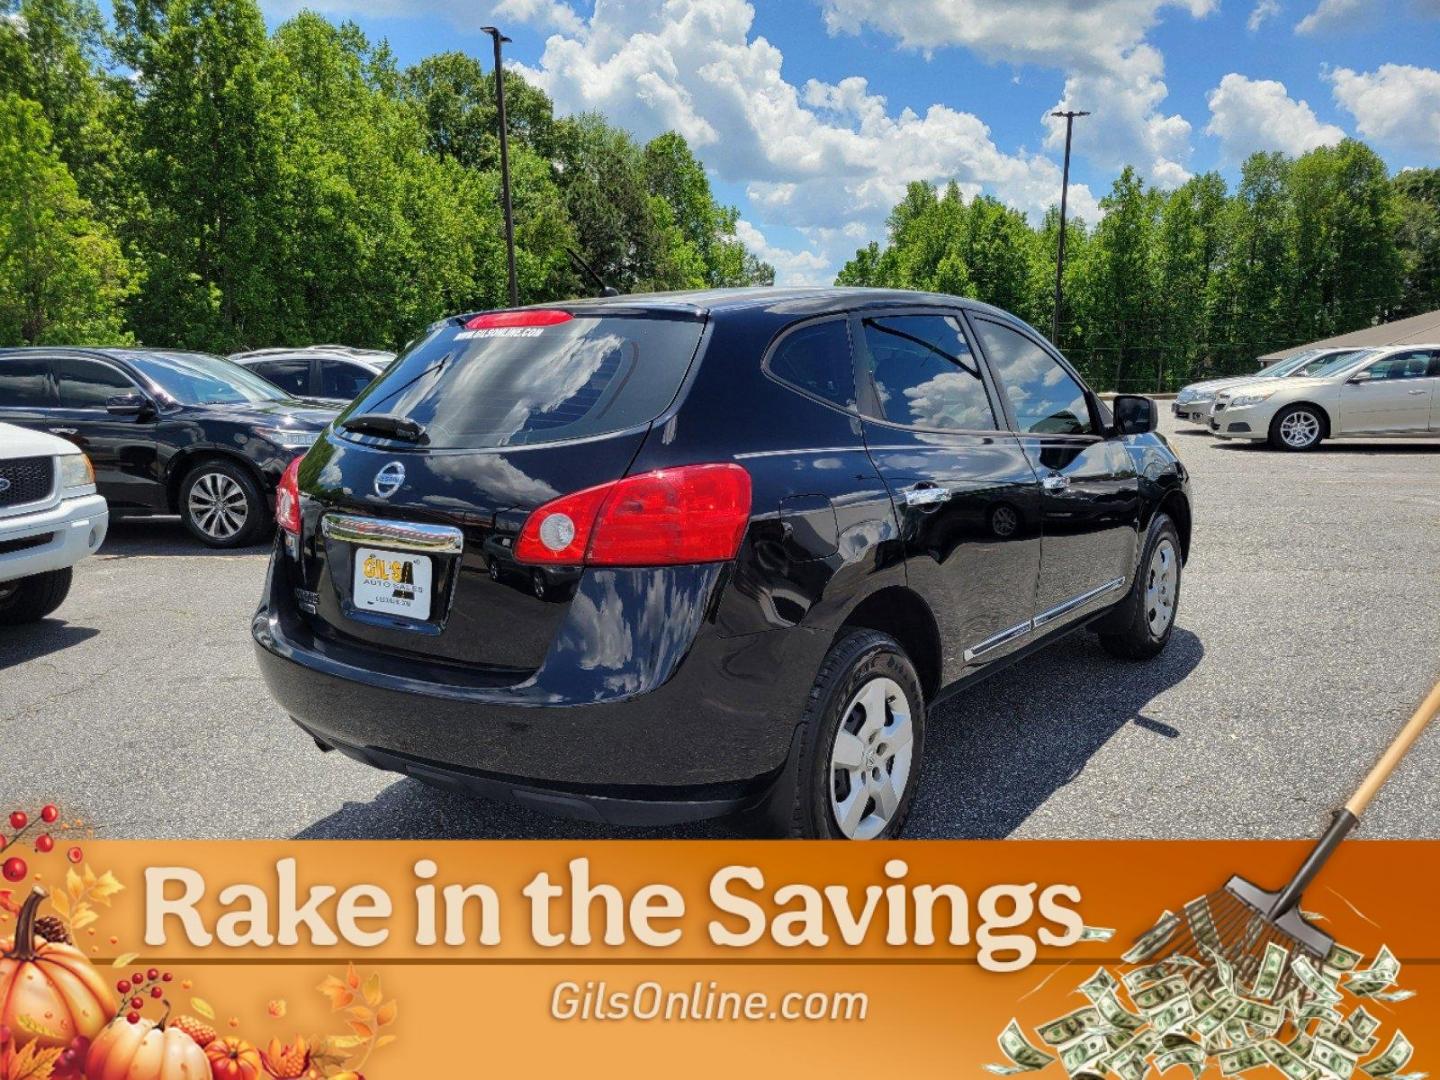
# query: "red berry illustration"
x,y
133,1017
75,854
138,978
123,986
166,977
152,974
44,844
19,819
157,992
137,1003
15,869
49,813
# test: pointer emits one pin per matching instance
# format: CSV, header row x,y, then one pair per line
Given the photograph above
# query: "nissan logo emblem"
x,y
389,479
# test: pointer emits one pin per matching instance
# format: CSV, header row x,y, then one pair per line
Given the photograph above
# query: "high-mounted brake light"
x,y
690,514
494,320
287,499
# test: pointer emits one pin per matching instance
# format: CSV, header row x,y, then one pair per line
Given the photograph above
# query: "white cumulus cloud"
x,y
1261,13
1331,15
1247,115
1397,105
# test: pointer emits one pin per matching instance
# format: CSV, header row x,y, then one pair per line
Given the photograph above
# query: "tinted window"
x,y
521,385
88,384
816,358
25,383
925,374
202,379
1410,365
1046,400
341,380
292,376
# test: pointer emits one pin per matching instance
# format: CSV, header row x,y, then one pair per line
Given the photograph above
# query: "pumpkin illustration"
x,y
233,1059
50,985
145,1051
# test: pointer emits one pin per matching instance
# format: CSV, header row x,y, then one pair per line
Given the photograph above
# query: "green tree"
x,y
207,161
1417,195
1251,294
1187,258
62,277
456,97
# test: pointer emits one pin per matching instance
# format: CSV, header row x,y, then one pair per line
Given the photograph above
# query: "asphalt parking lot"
x,y
1309,628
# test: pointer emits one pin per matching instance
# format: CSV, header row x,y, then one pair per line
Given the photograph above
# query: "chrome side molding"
x,y
994,642
1004,637
1078,601
400,535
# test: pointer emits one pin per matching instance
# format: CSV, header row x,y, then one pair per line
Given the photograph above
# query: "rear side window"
x,y
525,385
341,380
925,375
1044,397
292,376
25,384
816,358
1411,365
88,384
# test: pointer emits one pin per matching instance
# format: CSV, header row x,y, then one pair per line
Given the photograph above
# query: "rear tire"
x,y
1298,428
221,505
855,759
1141,625
31,599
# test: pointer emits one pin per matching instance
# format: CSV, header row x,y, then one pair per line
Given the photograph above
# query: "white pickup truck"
x,y
50,519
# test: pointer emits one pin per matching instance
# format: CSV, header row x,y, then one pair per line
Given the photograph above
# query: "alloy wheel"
x,y
1300,429
871,759
218,505
1162,587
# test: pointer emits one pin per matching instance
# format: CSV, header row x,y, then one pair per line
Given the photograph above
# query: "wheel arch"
x,y
902,613
1176,506
1325,419
183,462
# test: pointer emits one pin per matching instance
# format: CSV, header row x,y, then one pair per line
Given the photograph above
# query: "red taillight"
x,y
494,320
692,514
287,499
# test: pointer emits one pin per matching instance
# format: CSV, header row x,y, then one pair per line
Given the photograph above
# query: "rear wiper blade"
x,y
396,427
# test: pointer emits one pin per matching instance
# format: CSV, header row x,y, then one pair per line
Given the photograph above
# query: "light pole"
x,y
501,39
1069,116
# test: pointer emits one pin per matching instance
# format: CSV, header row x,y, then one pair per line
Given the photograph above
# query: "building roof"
x,y
1416,330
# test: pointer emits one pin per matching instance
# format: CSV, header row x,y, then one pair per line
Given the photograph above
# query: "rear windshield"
x,y
519,386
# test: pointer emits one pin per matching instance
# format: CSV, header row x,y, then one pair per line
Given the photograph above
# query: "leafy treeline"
x,y
1168,285
183,178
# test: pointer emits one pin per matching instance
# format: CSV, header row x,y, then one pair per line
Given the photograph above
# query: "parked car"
x,y
50,519
168,432
1193,402
333,374
1377,392
789,522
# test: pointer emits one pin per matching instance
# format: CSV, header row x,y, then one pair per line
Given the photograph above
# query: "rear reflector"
x,y
287,498
494,320
691,514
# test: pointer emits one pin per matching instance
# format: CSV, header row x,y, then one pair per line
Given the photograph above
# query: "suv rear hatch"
x,y
413,501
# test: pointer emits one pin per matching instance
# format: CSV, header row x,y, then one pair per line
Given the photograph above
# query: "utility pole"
x,y
1069,116
501,39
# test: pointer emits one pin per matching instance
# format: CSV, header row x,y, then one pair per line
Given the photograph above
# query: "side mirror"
x,y
1135,415
127,405
1362,377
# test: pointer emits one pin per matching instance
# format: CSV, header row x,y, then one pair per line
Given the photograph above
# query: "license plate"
x,y
393,582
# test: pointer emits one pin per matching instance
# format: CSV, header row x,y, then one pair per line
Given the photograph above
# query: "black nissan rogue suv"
x,y
657,558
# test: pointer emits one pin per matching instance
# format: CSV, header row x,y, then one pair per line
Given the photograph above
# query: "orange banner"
x,y
412,959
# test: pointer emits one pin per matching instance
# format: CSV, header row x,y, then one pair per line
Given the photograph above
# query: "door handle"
x,y
1055,482
926,496
64,431
1416,393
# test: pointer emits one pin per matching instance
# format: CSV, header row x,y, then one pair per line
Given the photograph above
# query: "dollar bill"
x,y
1241,1059
1023,1057
1381,974
1097,933
1173,1015
1302,1044
1149,973
1115,1014
1102,982
1287,1061
1069,1027
1191,1056
1267,1017
1154,939
1214,1018
1083,1052
1361,1022
1346,1038
1223,971
1313,981
1335,1060
1391,996
1342,959
1272,966
1396,1056
1162,993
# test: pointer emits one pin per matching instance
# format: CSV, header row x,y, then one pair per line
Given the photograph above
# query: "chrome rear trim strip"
x,y
1078,601
400,535
994,642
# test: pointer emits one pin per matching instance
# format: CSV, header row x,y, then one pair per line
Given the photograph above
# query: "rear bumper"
x,y
63,534
693,727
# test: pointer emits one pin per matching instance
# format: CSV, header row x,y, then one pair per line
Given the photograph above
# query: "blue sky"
x,y
813,114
